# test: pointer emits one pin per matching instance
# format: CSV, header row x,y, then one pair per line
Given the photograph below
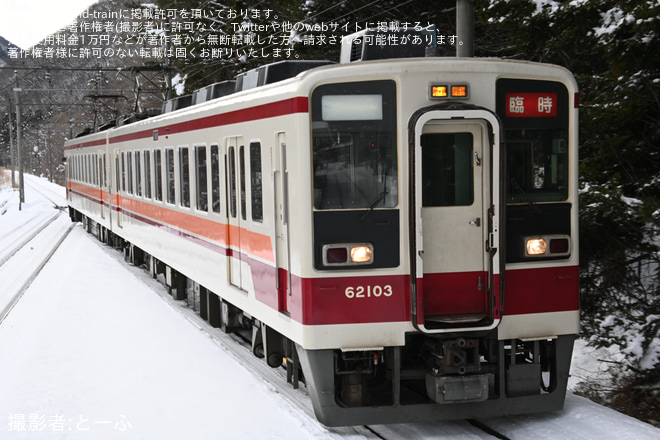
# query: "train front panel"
x,y
443,282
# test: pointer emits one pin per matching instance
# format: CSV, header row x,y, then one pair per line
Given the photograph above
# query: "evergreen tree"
x,y
611,47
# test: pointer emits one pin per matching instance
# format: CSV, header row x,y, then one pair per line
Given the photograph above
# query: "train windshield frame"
x,y
537,166
354,145
534,115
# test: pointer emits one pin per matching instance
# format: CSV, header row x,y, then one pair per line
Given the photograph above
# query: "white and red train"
x,y
403,232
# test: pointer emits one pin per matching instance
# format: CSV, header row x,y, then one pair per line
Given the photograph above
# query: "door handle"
x,y
476,222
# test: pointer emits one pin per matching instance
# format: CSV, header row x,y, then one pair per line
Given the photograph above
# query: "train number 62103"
x,y
368,291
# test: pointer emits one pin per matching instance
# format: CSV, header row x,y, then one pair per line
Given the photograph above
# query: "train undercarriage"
x,y
453,376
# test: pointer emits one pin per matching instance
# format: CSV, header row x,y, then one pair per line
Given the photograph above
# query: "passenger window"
x,y
202,199
215,178
129,170
241,154
231,176
158,175
104,178
255,182
123,171
147,174
85,179
138,174
117,171
184,175
169,158
447,174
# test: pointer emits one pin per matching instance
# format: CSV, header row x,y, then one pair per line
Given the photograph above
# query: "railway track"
x,y
27,247
18,237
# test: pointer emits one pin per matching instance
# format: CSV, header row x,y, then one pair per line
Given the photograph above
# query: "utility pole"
x,y
465,28
12,152
19,133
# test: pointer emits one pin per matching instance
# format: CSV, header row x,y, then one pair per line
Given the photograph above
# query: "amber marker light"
x,y
460,91
439,91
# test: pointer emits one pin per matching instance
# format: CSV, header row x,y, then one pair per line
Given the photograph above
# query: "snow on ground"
x,y
91,351
99,354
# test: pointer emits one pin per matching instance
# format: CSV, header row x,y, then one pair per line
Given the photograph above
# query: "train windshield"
x,y
354,145
537,166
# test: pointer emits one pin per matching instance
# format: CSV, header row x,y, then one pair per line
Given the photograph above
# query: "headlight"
x,y
548,246
535,246
361,254
347,254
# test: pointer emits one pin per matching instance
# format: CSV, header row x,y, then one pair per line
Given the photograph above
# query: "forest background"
x,y
612,48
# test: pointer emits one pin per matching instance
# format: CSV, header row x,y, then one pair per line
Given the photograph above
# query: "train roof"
x,y
265,90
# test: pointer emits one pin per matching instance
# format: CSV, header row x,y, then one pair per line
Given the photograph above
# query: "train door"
x,y
454,216
236,209
280,178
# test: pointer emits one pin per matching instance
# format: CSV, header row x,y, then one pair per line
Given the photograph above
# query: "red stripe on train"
x,y
280,108
542,290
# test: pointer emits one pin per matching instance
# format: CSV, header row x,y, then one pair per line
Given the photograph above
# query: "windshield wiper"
x,y
525,197
372,205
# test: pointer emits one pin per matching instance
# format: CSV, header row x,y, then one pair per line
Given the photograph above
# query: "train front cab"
x,y
492,237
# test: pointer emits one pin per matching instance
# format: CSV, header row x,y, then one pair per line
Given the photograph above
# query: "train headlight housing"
x,y
535,246
362,254
347,254
548,246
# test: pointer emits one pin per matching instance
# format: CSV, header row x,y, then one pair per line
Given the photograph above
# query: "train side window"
x,y
241,157
123,171
117,171
85,169
138,174
129,171
184,176
256,183
451,153
215,178
147,173
169,159
201,190
95,169
231,176
158,175
103,171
